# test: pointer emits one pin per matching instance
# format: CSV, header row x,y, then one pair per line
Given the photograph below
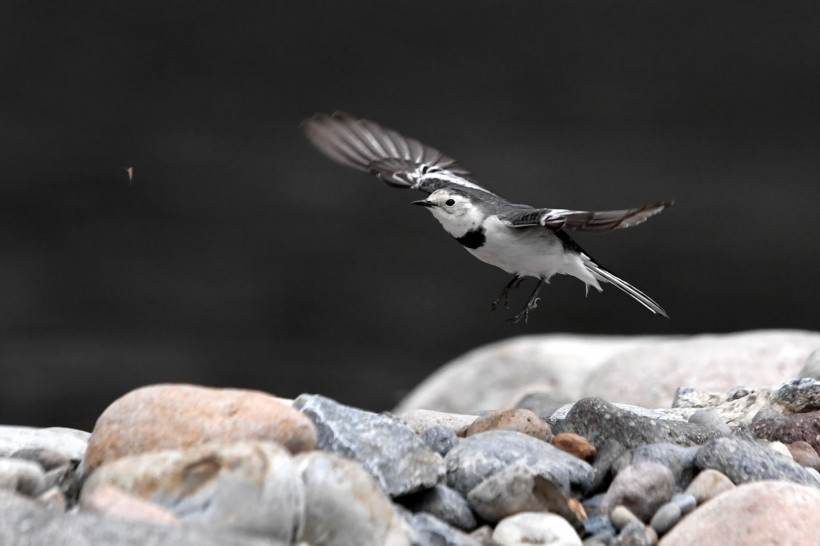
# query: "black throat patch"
x,y
473,238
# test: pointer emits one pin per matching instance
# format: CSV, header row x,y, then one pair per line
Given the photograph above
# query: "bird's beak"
x,y
424,203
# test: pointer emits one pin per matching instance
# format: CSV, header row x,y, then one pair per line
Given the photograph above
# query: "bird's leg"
x,y
504,296
531,304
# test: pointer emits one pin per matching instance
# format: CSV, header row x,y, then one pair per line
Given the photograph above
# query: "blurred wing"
x,y
395,159
603,220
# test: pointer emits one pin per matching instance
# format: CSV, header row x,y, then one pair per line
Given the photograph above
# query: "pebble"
x,y
708,484
685,501
382,445
621,516
635,534
517,419
780,447
767,512
535,528
666,517
345,506
516,489
575,444
712,420
161,417
478,457
642,488
745,461
445,504
597,421
678,459
439,439
251,487
598,525
804,454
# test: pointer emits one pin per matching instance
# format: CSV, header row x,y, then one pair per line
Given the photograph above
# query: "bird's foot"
x,y
525,313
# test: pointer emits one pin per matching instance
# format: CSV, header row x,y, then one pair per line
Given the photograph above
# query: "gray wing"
x,y
397,160
582,220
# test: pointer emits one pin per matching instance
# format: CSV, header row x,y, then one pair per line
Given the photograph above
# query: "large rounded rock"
x,y
769,512
498,375
532,528
649,375
161,417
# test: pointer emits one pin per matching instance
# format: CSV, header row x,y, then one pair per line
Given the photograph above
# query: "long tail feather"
x,y
611,278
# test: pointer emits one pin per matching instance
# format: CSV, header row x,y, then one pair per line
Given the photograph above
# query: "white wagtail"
x,y
520,239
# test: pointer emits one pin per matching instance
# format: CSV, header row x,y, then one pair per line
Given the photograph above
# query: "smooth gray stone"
x,y
599,524
439,439
685,501
383,445
745,461
598,420
430,531
634,534
666,517
678,459
25,523
516,489
445,504
712,420
542,403
642,488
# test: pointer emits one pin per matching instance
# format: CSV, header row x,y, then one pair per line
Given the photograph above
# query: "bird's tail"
x,y
602,274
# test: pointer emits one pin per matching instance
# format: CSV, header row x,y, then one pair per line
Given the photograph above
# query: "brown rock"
x,y
519,420
111,501
767,512
161,417
804,454
790,428
574,444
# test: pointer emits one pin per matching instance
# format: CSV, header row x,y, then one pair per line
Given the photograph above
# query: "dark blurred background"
x,y
239,256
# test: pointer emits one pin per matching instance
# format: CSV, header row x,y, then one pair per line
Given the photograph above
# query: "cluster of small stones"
x,y
181,464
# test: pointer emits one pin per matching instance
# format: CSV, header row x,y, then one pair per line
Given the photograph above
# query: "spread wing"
x,y
399,161
581,220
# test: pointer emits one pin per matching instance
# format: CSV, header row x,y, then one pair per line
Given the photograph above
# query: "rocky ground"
x,y
553,440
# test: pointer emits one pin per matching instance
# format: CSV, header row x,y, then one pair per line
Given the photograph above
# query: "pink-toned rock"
x,y
111,501
161,417
804,454
519,420
767,512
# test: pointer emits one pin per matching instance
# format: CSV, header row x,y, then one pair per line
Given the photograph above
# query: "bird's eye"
x,y
450,202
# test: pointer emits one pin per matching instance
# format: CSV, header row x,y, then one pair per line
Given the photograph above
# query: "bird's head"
x,y
454,209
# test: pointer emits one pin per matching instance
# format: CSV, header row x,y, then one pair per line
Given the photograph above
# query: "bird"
x,y
522,240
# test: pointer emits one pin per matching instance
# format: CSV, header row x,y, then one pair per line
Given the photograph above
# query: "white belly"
x,y
534,252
